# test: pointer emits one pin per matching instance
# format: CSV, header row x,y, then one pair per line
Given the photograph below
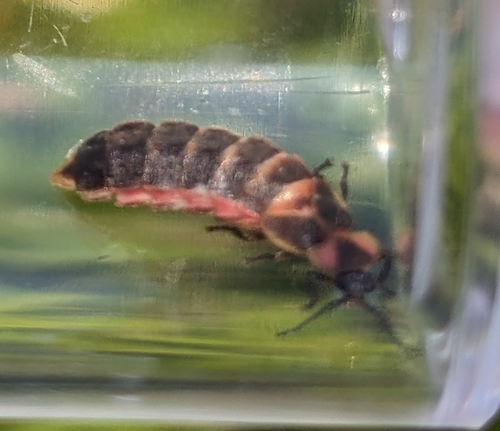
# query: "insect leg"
x,y
245,235
383,321
382,317
329,306
384,273
343,181
386,325
313,288
386,267
325,164
276,256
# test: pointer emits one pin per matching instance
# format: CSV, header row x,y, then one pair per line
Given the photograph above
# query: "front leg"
x,y
386,326
277,256
246,235
327,163
384,274
344,186
329,306
314,289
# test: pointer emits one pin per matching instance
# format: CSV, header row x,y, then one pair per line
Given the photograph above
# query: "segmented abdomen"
x,y
248,182
180,165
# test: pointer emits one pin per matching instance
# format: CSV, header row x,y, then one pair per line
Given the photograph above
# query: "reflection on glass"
x,y
133,313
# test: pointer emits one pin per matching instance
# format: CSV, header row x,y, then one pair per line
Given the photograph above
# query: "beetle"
x,y
255,188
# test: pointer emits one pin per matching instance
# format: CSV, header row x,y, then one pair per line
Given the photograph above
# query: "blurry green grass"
x,y
208,315
184,29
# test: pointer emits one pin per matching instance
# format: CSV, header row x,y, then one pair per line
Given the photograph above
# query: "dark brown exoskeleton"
x,y
254,187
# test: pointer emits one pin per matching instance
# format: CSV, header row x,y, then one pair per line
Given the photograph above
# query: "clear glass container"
x,y
129,313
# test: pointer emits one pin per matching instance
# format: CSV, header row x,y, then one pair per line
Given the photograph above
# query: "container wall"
x,y
143,314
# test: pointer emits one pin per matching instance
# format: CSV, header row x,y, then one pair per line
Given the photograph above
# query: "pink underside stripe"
x,y
191,200
127,197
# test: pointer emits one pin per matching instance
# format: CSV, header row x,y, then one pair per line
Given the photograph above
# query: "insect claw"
x,y
327,163
329,306
285,332
383,321
247,261
310,305
282,255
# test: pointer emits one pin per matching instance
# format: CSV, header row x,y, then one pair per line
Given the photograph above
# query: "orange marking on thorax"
x,y
293,196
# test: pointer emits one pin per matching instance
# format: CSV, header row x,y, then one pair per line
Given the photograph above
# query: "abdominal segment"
x,y
246,182
178,165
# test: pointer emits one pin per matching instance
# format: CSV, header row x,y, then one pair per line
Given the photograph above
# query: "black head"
x,y
356,284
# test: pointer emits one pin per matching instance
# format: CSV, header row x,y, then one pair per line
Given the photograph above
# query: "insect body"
x,y
246,182
250,184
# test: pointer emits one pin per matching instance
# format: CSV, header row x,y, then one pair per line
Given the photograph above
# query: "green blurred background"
x,y
176,29
286,31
